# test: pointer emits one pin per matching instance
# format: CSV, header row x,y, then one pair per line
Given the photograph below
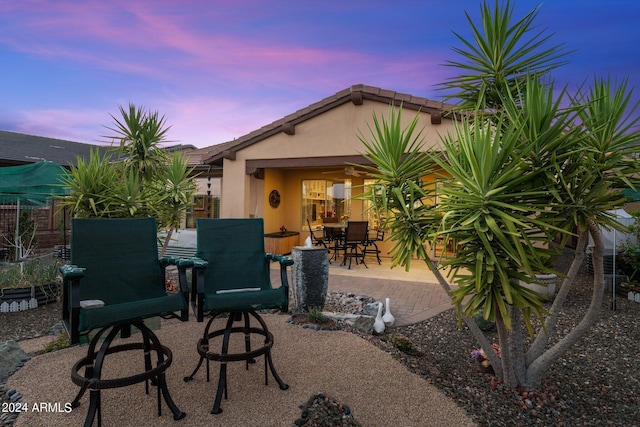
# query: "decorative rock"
x,y
371,309
11,356
363,324
321,410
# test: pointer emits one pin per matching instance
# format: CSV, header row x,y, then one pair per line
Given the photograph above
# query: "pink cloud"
x,y
98,34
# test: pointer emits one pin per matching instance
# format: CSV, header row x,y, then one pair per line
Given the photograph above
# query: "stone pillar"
x,y
310,277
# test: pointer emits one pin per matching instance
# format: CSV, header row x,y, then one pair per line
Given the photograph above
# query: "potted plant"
x,y
544,282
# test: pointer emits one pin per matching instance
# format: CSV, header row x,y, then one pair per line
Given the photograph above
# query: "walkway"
x,y
414,295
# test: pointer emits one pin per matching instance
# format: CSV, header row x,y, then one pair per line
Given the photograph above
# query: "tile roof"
x,y
19,148
356,94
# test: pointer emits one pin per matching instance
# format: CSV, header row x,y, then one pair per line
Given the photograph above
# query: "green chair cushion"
x,y
100,317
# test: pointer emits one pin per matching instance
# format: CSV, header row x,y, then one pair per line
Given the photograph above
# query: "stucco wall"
x,y
274,218
333,133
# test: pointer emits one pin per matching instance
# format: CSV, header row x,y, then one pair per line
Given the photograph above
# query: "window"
x,y
323,198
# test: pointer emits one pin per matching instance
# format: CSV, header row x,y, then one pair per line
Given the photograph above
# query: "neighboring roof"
x,y
199,158
179,147
356,94
20,149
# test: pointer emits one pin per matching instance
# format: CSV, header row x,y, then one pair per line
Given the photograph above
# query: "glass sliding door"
x,y
323,198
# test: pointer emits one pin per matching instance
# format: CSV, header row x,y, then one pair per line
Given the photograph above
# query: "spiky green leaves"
x,y
501,55
138,135
399,166
141,181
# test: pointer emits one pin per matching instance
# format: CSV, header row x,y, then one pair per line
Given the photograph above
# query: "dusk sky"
x,y
220,69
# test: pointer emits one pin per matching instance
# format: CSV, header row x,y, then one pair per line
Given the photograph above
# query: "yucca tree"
x,y
142,181
407,199
592,185
100,190
502,201
510,181
582,168
138,136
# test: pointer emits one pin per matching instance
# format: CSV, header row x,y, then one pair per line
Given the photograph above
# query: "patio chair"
x,y
355,239
116,281
315,240
371,245
231,274
334,236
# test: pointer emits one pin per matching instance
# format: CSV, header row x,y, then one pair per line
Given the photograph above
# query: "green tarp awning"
x,y
32,184
634,195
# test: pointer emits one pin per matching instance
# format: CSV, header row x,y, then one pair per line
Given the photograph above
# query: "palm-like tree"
x,y
510,181
138,136
174,194
143,181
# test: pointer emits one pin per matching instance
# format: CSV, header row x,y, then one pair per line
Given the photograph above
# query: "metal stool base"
x,y
92,363
224,356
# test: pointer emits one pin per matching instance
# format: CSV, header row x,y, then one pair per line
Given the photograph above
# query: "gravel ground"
x,y
597,383
29,323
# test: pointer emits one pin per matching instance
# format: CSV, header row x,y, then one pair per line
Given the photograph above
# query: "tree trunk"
x,y
166,241
516,346
540,364
542,338
507,362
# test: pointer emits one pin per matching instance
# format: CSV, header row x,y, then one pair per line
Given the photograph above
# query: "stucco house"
x,y
297,168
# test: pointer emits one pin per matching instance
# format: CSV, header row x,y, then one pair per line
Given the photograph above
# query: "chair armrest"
x,y
285,262
71,272
282,259
193,262
71,275
169,260
198,267
182,264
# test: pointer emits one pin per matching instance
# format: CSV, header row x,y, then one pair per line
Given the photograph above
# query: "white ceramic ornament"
x,y
388,318
378,325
